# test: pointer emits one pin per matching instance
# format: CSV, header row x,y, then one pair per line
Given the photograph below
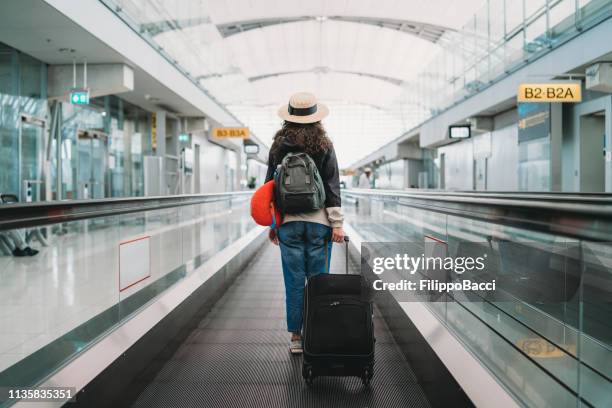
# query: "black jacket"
x,y
326,163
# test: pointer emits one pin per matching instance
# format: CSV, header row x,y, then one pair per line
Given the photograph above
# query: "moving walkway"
x,y
203,322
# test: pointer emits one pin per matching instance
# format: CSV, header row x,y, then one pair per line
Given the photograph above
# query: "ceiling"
x,y
360,50
362,57
37,29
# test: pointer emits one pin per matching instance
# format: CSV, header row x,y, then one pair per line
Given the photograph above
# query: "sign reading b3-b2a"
x,y
550,92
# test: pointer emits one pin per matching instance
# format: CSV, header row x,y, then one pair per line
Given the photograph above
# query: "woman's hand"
x,y
272,236
337,235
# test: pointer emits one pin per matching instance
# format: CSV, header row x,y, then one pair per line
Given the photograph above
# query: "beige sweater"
x,y
331,216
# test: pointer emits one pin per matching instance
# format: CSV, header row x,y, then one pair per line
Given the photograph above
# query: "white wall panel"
x,y
459,165
502,166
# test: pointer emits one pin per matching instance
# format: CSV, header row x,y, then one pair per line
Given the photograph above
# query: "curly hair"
x,y
312,137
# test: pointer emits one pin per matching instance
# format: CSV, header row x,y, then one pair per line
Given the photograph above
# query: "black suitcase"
x,y
338,327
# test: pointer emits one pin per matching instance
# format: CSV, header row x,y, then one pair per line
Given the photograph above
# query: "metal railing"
x,y
50,212
582,216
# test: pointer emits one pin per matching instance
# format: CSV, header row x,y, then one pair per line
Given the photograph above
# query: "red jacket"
x,y
262,206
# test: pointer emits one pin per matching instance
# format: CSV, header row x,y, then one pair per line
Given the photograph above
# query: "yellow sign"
x,y
552,92
154,131
222,133
540,348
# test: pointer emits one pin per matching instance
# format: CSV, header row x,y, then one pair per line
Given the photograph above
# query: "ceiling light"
x,y
321,19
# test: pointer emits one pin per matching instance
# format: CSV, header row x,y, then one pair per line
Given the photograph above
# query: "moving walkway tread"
x,y
238,356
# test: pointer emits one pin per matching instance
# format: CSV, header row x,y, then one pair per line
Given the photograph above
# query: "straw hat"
x,y
303,108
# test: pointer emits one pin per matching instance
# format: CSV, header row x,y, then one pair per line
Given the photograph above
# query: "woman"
x,y
305,239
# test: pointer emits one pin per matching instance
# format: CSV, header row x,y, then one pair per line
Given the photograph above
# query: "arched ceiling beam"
x,y
428,32
327,70
244,103
158,27
316,70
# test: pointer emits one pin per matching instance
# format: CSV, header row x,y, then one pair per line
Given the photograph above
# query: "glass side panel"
x,y
91,275
548,337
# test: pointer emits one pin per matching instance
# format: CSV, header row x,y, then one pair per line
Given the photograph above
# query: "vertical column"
x,y
240,170
175,179
48,137
15,110
608,146
160,148
556,141
406,173
146,130
108,173
196,169
107,117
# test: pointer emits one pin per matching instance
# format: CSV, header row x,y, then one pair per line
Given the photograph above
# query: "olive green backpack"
x,y
298,185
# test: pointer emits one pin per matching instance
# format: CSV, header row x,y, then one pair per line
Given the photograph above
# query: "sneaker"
x,y
18,252
296,347
27,251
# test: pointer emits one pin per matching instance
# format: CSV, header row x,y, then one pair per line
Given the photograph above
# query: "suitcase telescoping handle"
x,y
346,253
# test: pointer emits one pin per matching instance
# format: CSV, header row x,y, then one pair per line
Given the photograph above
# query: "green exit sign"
x,y
79,96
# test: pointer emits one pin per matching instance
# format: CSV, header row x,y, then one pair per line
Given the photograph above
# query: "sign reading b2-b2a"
x,y
550,92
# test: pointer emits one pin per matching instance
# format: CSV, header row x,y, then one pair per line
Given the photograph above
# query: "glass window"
x,y
536,37
6,69
562,11
80,174
514,15
31,76
20,75
533,6
534,165
9,167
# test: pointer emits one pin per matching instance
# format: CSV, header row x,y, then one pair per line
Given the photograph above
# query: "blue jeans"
x,y
302,246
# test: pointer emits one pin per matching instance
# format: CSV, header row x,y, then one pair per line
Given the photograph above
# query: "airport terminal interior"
x,y
134,134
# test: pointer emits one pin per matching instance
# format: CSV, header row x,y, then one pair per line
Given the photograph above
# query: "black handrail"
x,y
569,215
51,212
556,196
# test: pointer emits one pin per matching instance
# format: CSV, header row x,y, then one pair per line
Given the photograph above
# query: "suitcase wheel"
x,y
307,374
367,375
